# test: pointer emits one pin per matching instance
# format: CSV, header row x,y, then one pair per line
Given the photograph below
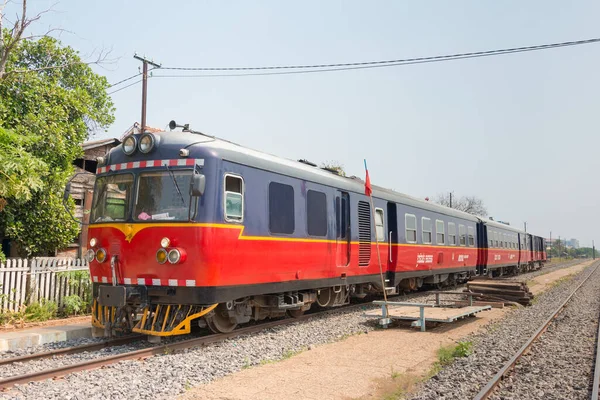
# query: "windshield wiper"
x,y
176,185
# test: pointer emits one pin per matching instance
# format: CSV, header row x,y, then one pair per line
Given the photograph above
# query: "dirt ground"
x,y
55,322
543,282
360,367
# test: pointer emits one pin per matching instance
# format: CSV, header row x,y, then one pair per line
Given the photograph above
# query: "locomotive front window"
x,y
112,198
163,196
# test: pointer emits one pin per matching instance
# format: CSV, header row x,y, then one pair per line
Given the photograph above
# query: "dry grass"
x,y
394,387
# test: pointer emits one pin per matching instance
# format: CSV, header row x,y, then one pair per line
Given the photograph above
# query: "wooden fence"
x,y
23,281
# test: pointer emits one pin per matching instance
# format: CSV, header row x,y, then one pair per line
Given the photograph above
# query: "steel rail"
x,y
596,382
72,350
149,352
145,353
493,383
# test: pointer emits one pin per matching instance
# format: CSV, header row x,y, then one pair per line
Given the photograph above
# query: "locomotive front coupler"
x,y
119,296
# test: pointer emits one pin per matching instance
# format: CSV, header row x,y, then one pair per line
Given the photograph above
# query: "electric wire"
x,y
396,62
333,67
124,87
125,80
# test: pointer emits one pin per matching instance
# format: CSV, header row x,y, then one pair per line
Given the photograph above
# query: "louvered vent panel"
x,y
364,233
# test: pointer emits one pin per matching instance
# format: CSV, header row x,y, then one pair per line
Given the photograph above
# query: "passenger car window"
x,y
411,228
452,233
471,236
462,235
426,230
439,232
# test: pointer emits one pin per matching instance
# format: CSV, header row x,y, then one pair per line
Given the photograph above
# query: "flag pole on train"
x,y
369,192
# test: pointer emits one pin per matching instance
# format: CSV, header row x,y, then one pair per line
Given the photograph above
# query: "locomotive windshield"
x,y
163,196
158,195
112,198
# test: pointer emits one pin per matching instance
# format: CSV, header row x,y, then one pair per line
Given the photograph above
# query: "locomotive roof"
x,y
246,156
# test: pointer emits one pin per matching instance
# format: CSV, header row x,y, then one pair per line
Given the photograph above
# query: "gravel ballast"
x,y
168,375
559,365
500,341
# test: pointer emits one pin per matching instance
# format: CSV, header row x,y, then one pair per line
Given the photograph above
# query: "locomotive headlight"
x,y
93,242
174,256
161,256
165,242
129,145
90,255
101,255
147,143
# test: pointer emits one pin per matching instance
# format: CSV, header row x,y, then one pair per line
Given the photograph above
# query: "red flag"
x,y
368,190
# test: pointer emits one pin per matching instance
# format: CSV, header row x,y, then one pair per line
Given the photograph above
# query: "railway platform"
x,y
22,338
420,314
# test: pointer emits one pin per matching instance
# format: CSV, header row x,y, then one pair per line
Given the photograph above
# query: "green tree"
x,y
21,173
51,99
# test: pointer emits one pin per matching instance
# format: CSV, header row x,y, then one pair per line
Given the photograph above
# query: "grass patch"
x,y
398,387
561,281
447,354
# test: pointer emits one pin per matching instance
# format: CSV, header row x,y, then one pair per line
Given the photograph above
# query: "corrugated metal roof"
x,y
100,142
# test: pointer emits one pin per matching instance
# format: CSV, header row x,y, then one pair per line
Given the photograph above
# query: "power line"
x,y
125,80
299,69
124,87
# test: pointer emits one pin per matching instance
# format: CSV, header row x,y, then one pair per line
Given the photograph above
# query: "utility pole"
x,y
145,63
525,224
450,199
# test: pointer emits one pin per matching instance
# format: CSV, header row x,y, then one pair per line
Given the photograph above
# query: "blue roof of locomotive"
x,y
203,146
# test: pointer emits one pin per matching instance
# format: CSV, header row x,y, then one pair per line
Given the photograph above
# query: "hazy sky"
x,y
520,131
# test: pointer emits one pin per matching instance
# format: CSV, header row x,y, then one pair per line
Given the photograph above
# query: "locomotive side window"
x,y
281,208
452,233
462,234
439,232
471,236
234,198
379,225
426,230
496,239
490,238
316,213
341,212
411,228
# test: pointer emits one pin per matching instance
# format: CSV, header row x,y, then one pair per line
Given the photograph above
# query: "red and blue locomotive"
x,y
187,227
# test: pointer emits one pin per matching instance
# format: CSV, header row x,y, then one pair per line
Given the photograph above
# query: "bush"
x,y
42,311
73,305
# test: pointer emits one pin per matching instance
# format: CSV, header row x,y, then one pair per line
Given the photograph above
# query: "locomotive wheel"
x,y
219,322
296,313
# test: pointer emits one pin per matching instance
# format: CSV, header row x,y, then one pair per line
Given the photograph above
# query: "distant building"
x,y
573,243
82,190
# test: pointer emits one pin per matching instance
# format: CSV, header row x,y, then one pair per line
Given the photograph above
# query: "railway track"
x,y
510,365
98,362
140,354
71,350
